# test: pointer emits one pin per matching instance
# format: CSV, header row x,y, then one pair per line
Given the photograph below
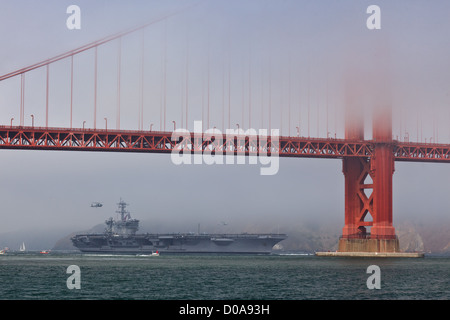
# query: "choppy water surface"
x,y
274,277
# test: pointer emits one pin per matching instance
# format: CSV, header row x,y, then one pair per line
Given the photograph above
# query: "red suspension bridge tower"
x,y
364,197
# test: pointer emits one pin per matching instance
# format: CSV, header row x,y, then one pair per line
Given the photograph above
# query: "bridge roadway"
x,y
43,138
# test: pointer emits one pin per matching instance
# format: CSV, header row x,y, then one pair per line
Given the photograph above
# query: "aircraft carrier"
x,y
120,237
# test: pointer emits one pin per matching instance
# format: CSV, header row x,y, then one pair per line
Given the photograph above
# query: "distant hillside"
x,y
34,239
66,244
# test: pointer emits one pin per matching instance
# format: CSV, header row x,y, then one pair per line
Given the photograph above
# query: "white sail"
x,y
22,247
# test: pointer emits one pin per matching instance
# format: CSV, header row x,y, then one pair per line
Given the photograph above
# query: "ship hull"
x,y
177,243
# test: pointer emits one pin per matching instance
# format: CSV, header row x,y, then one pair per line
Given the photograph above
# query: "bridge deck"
x,y
39,138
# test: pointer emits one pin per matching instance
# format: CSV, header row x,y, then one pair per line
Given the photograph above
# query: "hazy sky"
x,y
292,55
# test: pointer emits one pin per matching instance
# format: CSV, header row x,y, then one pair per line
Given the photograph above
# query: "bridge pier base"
x,y
369,245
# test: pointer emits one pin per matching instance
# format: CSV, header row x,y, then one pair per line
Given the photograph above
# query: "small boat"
x,y
2,251
22,247
45,252
154,254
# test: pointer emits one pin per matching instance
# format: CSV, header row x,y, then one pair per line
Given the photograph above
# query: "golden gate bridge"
x,y
368,164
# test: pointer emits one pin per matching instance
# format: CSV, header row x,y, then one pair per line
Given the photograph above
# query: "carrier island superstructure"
x,y
121,237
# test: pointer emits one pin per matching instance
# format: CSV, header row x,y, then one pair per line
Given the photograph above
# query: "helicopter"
x,y
96,205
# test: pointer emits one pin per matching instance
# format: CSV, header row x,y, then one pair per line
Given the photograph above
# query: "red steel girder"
x,y
357,203
410,151
40,138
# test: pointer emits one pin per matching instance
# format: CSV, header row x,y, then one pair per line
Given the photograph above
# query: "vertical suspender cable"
x,y
421,130
318,115
270,97
187,79
281,106
243,96
208,86
47,96
203,99
299,108
335,118
161,102
308,101
262,98
141,100
95,90
229,90
182,93
289,99
119,65
223,94
182,89
327,106
71,90
165,72
250,91
22,97
417,127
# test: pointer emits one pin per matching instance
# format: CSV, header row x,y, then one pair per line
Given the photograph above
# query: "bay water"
x,y
34,276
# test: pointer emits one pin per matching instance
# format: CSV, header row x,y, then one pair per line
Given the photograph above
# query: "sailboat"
x,y
22,247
